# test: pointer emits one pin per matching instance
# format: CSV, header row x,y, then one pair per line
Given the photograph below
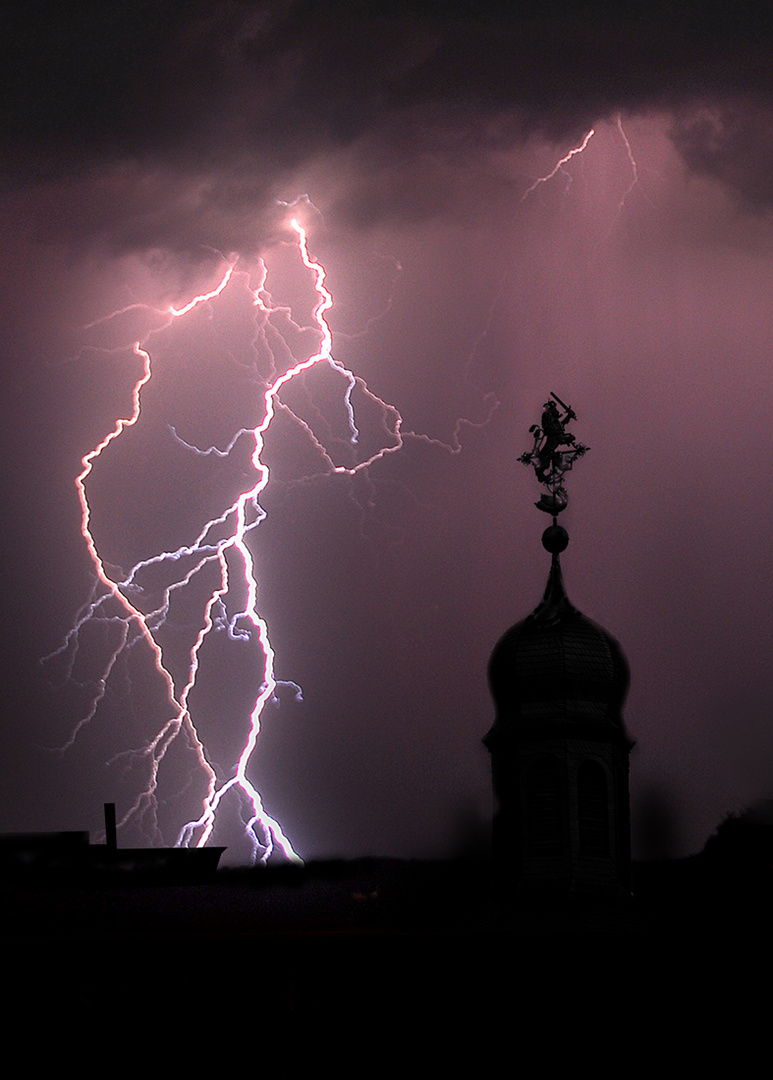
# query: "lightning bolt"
x,y
121,602
559,164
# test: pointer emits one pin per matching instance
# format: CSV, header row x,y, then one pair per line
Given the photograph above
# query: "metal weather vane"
x,y
549,460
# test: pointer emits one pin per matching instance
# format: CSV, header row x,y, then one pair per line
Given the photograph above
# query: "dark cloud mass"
x,y
141,144
131,103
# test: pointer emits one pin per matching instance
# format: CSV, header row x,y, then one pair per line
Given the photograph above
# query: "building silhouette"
x,y
559,754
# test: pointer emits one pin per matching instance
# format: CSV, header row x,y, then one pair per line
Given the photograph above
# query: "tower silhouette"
x,y
559,753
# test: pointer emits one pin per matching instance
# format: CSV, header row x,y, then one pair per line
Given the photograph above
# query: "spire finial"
x,y
549,461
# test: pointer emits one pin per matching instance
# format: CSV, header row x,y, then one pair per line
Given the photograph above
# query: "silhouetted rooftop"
x,y
558,664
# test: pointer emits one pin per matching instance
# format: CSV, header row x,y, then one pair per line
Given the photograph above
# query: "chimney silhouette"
x,y
110,833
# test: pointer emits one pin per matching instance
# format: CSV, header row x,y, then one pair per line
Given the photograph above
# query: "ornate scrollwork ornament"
x,y
553,454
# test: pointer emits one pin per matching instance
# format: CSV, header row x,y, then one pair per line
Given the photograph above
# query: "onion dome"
x,y
556,666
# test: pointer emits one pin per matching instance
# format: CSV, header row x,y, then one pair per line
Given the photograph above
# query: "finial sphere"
x,y
555,539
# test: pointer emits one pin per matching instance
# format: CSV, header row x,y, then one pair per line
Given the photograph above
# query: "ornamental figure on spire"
x,y
549,460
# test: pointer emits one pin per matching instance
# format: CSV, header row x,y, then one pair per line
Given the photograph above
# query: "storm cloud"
x,y
177,124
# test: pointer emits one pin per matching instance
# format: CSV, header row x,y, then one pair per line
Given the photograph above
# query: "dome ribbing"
x,y
557,666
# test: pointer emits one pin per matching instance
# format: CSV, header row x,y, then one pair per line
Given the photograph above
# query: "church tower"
x,y
559,748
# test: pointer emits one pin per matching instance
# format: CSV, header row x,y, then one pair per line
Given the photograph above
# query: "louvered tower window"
x,y
593,809
544,801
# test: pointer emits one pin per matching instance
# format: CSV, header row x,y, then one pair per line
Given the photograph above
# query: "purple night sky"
x,y
144,147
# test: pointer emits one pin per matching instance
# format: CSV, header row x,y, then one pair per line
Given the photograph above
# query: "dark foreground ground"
x,y
356,957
